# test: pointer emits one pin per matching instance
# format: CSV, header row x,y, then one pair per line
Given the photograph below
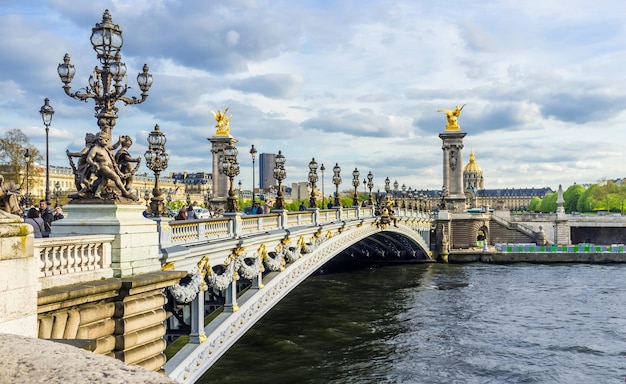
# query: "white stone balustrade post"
x,y
231,305
197,335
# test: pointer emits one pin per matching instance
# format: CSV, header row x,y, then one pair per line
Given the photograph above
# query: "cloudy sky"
x,y
354,82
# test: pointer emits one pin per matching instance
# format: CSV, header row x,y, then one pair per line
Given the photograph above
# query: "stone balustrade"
x,y
73,259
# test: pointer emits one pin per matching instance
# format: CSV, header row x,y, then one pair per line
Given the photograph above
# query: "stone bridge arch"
x,y
304,251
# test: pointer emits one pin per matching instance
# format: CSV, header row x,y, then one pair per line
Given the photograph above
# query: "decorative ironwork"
x,y
355,183
312,180
280,174
106,87
46,112
253,153
27,158
230,168
337,181
370,185
156,161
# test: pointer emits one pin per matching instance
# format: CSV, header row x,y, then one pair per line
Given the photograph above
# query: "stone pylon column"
x,y
453,170
220,181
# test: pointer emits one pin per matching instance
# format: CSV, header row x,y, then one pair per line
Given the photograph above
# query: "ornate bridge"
x,y
249,261
273,253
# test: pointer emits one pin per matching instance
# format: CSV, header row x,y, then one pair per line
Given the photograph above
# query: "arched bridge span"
x,y
275,263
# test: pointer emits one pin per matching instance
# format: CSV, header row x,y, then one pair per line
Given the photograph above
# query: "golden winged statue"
x,y
451,116
223,129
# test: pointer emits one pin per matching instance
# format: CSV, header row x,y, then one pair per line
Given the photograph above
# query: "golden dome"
x,y
472,166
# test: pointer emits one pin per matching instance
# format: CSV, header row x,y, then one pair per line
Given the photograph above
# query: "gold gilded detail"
x,y
167,266
222,126
452,116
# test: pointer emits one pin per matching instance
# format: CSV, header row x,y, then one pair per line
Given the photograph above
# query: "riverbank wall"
x,y
509,253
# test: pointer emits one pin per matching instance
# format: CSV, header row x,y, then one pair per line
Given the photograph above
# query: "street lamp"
x,y
156,161
57,193
370,185
322,169
403,196
337,181
106,84
312,180
27,157
395,193
253,154
387,188
279,175
46,112
240,187
355,183
230,168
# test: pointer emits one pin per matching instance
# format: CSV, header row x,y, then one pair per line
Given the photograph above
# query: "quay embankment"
x,y
529,253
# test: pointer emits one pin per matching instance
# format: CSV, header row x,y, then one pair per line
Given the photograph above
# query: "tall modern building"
x,y
267,162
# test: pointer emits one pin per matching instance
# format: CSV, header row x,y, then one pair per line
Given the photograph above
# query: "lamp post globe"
x,y
355,184
46,112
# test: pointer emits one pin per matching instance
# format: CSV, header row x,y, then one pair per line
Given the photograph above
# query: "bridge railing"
x,y
73,259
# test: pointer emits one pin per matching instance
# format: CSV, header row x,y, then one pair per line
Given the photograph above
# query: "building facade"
x,y
267,162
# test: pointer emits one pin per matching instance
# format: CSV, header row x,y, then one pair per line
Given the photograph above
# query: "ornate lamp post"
x,y
395,193
106,84
337,181
355,183
168,198
240,187
156,161
279,175
387,188
322,169
27,158
253,152
46,112
403,195
57,193
312,180
230,168
370,185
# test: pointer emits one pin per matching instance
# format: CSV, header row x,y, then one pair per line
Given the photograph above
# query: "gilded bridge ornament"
x,y
452,116
223,128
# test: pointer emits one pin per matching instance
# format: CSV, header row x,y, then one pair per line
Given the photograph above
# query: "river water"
x,y
438,323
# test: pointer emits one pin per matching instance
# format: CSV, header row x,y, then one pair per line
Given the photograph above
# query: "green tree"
x,y
535,204
548,203
571,196
13,145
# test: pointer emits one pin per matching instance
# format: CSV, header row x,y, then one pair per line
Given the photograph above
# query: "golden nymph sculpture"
x,y
223,129
451,116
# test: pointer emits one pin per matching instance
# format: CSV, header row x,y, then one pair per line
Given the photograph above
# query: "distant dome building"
x,y
472,180
473,174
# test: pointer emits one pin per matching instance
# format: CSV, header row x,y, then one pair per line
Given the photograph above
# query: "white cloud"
x,y
359,86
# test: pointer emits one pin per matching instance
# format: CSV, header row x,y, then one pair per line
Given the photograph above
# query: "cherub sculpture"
x,y
451,116
222,122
